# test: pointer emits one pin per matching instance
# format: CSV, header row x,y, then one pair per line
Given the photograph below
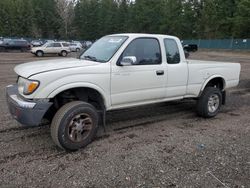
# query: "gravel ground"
x,y
162,145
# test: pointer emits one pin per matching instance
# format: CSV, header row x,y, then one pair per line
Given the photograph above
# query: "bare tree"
x,y
65,9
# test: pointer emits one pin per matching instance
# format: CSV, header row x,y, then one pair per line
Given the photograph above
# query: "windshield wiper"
x,y
92,58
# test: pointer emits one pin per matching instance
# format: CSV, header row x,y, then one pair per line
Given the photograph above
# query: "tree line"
x,y
91,19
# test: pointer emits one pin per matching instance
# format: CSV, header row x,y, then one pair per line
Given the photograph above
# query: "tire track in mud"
x,y
25,136
13,129
34,155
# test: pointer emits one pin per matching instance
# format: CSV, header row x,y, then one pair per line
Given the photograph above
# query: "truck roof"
x,y
143,35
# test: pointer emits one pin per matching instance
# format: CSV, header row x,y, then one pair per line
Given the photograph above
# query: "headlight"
x,y
27,86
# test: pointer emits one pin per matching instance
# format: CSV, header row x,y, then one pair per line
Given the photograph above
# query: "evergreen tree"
x,y
242,19
91,19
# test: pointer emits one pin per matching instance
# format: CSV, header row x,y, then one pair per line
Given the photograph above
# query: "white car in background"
x,y
60,48
75,47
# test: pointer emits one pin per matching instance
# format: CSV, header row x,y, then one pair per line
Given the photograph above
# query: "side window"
x,y
172,51
146,50
56,45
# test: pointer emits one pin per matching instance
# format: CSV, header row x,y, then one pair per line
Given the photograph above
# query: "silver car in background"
x,y
75,47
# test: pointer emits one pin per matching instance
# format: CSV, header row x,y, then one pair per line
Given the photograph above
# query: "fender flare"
x,y
81,85
209,79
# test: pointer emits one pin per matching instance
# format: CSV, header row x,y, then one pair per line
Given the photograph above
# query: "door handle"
x,y
160,72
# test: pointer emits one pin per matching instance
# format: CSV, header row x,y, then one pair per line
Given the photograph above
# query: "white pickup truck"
x,y
118,71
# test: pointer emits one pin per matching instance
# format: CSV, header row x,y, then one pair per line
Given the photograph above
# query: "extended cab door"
x,y
177,75
142,81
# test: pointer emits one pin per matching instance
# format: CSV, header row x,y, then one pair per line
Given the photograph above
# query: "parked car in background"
x,y
48,41
15,44
60,48
190,47
77,42
87,44
36,43
75,47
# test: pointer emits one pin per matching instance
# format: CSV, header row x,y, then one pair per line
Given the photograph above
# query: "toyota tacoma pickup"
x,y
118,71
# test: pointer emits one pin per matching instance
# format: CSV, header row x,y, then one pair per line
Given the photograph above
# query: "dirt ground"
x,y
161,145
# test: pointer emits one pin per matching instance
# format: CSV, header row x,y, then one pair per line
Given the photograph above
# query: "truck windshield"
x,y
104,49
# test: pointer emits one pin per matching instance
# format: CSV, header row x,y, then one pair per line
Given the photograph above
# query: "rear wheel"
x,y
75,125
77,49
209,102
39,53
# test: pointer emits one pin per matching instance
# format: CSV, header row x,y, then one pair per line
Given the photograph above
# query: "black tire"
x,y
204,105
39,53
64,53
64,127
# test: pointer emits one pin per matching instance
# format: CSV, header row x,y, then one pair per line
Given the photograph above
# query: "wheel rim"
x,y
63,53
80,127
213,103
39,54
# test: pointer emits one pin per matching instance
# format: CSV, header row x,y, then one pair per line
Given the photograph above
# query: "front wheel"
x,y
75,125
209,103
39,53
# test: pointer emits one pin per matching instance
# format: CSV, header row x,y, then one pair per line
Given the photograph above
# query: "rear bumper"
x,y
28,113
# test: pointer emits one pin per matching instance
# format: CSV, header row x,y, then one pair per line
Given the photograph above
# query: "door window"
x,y
146,50
172,51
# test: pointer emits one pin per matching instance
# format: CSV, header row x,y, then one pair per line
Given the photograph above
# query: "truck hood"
x,y
27,69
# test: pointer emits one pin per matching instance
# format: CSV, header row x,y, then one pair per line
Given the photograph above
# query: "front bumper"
x,y
28,113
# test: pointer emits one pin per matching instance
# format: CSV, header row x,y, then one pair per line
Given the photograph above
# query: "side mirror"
x,y
186,54
128,61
